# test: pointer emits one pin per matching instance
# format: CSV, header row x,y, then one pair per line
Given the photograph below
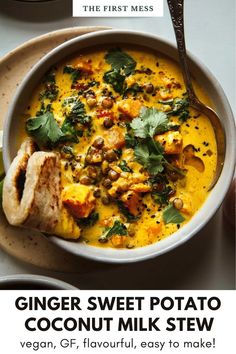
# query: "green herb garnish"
x,y
161,189
149,123
179,108
75,111
133,90
50,94
70,133
130,140
149,152
162,197
68,150
120,60
123,165
122,65
130,217
89,221
116,80
51,90
74,73
44,129
172,216
118,152
50,77
150,155
117,229
43,109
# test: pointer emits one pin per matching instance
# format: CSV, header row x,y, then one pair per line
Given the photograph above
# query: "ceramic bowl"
x,y
13,127
32,282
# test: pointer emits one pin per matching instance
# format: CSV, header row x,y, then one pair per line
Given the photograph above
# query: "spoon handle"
x,y
176,8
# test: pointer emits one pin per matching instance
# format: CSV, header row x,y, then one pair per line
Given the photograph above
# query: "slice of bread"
x,y
31,190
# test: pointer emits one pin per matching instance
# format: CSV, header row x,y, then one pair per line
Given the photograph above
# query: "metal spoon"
x,y
176,8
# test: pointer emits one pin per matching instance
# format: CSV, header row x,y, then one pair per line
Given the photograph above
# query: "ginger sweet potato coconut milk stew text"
x,y
135,160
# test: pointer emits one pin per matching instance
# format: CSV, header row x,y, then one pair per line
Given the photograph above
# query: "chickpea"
x,y
105,92
113,175
97,193
158,187
86,180
173,176
93,156
92,172
88,158
98,142
91,101
108,122
110,156
131,230
107,102
107,183
149,88
178,203
106,199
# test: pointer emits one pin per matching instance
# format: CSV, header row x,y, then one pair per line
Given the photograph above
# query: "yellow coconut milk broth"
x,y
195,131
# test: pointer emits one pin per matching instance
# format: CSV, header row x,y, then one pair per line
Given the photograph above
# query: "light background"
x,y
206,261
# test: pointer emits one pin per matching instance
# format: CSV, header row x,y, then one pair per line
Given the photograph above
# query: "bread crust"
x,y
31,190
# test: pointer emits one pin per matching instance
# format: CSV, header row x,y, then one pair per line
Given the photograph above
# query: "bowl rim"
x,y
109,255
35,279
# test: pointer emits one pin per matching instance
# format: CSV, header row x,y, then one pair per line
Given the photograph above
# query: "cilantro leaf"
x,y
44,129
140,128
150,153
117,229
47,133
130,140
149,123
153,162
120,60
122,65
172,216
115,79
141,153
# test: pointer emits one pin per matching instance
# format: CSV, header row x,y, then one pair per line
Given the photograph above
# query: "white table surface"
x,y
208,260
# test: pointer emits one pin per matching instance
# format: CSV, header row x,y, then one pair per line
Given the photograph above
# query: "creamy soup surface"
x,y
136,160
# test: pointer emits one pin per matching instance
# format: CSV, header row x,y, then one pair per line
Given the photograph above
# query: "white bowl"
x,y
32,282
204,77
